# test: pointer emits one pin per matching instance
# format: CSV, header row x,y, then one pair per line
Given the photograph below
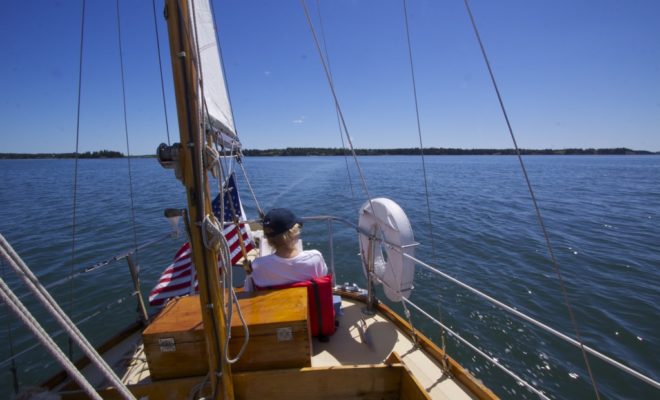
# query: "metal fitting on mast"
x,y
168,157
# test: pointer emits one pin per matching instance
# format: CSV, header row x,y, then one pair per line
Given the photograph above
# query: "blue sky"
x,y
572,74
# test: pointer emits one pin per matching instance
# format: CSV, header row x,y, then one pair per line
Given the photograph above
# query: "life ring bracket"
x,y
383,221
380,239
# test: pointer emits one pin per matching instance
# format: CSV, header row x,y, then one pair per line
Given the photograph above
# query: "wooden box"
x,y
175,347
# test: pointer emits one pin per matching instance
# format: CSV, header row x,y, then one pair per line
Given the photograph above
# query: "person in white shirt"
x,y
288,264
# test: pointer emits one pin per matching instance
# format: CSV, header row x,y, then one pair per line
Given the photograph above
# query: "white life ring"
x,y
389,222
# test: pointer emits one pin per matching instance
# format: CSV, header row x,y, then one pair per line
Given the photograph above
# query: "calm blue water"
x,y
602,214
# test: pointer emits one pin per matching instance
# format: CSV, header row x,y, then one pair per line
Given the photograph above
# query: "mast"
x,y
195,179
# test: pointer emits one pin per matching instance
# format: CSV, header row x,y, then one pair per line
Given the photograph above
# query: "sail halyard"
x,y
218,117
195,178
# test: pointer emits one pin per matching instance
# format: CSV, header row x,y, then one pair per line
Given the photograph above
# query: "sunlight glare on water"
x,y
601,214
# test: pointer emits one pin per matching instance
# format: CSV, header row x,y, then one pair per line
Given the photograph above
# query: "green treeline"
x,y
434,151
320,151
87,154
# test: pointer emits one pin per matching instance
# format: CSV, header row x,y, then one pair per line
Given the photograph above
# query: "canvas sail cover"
x,y
215,100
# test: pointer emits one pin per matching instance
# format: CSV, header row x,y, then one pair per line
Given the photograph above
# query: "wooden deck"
x,y
360,340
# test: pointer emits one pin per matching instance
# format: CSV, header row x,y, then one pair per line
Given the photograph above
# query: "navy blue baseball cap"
x,y
279,220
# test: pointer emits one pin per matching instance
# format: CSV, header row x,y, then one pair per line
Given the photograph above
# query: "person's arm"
x,y
322,268
247,285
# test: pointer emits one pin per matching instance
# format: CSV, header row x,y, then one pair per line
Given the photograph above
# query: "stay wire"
x,y
336,101
231,108
160,67
128,148
341,133
75,173
421,145
370,208
534,322
419,128
536,206
249,185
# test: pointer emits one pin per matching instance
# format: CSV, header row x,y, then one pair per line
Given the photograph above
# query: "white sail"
x,y
215,97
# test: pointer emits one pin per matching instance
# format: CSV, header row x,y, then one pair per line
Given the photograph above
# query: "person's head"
x,y
281,228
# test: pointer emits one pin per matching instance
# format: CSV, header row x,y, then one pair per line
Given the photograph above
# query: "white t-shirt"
x,y
272,270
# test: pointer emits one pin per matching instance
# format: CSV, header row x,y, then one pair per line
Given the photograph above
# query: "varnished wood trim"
x,y
337,382
172,389
183,55
411,387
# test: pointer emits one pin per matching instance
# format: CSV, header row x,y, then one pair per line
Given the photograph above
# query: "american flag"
x,y
179,278
233,212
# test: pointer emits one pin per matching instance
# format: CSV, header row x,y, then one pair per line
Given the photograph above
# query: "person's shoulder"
x,y
263,260
311,254
312,257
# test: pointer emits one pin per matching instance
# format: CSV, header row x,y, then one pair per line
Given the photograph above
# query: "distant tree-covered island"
x,y
321,151
437,151
87,154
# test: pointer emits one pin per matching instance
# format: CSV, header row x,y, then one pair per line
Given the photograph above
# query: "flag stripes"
x,y
179,278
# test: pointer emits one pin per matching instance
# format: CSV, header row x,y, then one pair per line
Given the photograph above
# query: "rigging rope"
x,y
24,272
495,362
341,133
336,100
102,264
228,285
12,356
219,171
229,159
200,175
228,273
222,65
225,253
421,149
254,196
419,129
539,324
160,67
24,315
479,351
539,218
326,69
75,172
128,148
95,312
